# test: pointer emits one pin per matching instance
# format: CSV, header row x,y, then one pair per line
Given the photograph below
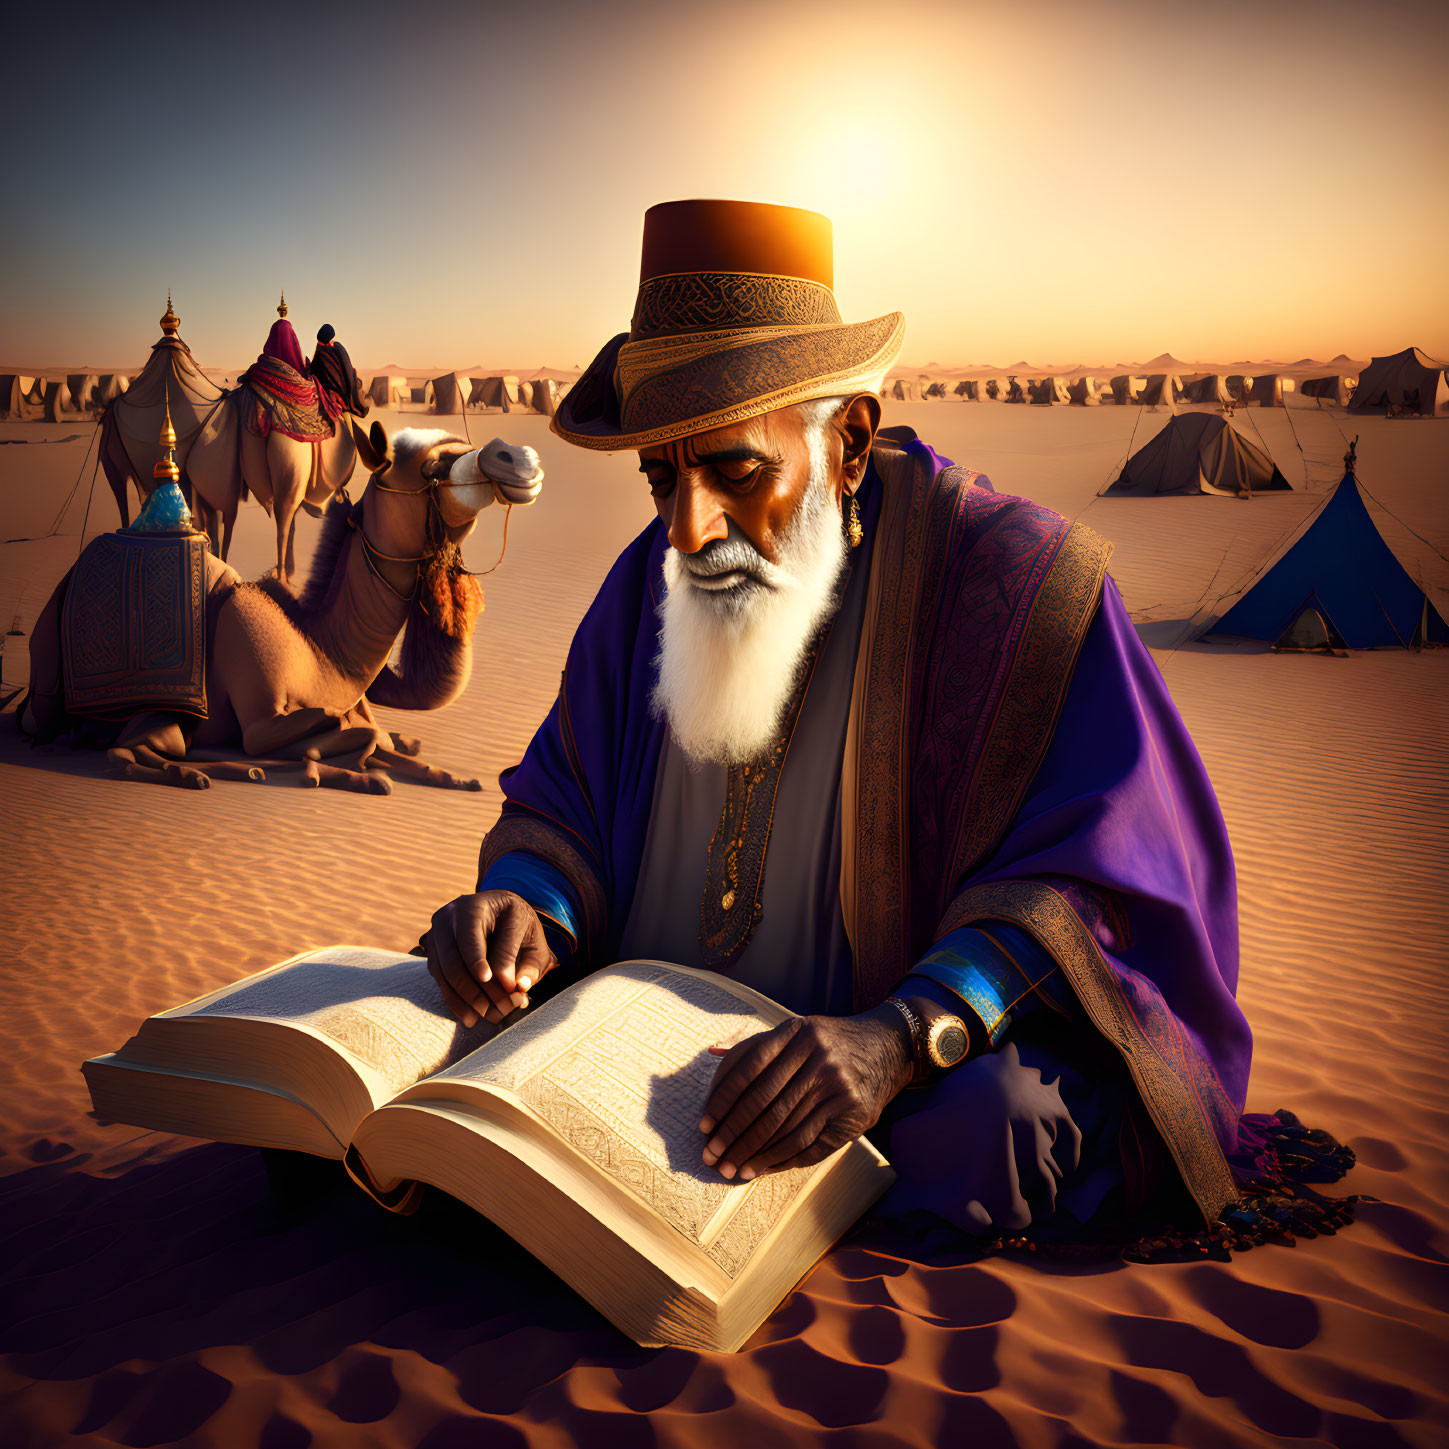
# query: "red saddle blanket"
x,y
277,397
134,626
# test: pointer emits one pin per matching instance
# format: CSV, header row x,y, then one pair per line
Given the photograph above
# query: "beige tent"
x,y
992,389
544,395
82,387
421,393
1085,391
1239,386
387,390
109,386
1206,387
450,393
1016,390
1162,389
59,402
499,392
1198,453
970,390
525,394
904,391
936,389
1127,389
131,423
1268,389
1047,390
1335,389
15,403
1409,382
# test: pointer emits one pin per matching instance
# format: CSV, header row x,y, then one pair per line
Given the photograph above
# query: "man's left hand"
x,y
790,1096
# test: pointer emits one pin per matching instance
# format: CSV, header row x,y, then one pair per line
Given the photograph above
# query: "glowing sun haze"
x,y
451,186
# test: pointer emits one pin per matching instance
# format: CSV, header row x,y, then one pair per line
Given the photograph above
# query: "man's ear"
x,y
374,447
858,422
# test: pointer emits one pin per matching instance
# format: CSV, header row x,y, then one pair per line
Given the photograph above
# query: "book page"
x,y
619,1067
383,1007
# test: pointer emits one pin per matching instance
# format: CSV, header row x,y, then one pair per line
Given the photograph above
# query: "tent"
x,y
903,391
82,387
1338,586
1197,453
1239,386
387,390
525,395
1409,381
1206,387
450,393
1335,389
1162,389
499,392
1085,392
109,386
1268,389
937,389
1048,390
971,390
422,393
131,423
992,389
1127,389
15,403
1016,390
59,402
545,395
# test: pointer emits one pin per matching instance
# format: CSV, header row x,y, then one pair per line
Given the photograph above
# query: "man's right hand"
x,y
486,951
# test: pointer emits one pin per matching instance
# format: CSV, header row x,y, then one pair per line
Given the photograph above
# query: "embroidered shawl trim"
x,y
1170,1076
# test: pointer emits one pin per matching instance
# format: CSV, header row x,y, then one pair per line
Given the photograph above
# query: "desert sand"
x,y
156,1293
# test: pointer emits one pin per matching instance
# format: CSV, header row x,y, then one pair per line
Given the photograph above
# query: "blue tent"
x,y
1338,586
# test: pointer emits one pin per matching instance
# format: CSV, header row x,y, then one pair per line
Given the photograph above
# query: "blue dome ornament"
x,y
165,511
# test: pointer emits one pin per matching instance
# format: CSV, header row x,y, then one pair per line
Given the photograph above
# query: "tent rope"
x,y
1118,466
69,497
80,542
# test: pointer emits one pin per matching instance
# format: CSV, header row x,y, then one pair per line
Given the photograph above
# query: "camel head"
x,y
464,480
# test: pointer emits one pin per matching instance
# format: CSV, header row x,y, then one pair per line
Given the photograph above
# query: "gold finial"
x,y
169,321
166,465
282,306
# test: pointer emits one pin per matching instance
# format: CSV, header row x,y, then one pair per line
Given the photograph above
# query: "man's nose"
x,y
697,518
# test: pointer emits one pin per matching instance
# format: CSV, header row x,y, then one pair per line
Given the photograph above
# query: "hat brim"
x,y
707,381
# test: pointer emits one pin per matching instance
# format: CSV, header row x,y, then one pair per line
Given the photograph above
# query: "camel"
x,y
290,677
226,461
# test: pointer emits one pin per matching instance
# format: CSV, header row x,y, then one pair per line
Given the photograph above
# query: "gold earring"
x,y
852,528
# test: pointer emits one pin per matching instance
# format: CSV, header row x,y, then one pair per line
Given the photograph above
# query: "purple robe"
x,y
969,791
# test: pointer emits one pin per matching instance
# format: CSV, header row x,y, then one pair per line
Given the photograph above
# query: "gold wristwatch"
x,y
939,1039
947,1040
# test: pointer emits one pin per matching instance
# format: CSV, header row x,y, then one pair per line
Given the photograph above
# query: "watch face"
x,y
949,1043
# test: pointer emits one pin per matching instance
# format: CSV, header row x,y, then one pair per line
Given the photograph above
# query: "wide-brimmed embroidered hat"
x,y
735,316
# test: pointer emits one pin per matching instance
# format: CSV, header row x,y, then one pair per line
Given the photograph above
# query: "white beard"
x,y
729,657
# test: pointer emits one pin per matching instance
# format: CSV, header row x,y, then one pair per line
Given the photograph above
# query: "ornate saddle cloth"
x,y
276,396
134,626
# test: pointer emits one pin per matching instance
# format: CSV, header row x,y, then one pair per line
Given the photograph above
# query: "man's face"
x,y
754,474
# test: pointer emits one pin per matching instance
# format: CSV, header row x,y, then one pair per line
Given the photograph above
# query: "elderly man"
x,y
853,728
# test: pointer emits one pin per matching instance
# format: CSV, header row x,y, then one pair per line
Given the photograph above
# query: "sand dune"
x,y
157,1292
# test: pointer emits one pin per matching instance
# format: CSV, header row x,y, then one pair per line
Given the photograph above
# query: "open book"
x,y
575,1128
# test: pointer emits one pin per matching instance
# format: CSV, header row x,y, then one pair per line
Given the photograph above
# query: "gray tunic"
x,y
1022,1134
799,954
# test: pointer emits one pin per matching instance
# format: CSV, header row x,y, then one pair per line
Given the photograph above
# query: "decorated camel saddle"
x,y
134,618
275,396
277,393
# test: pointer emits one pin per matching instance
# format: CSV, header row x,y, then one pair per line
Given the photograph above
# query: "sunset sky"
x,y
1061,183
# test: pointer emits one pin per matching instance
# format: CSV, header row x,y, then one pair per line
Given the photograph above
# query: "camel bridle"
x,y
436,527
